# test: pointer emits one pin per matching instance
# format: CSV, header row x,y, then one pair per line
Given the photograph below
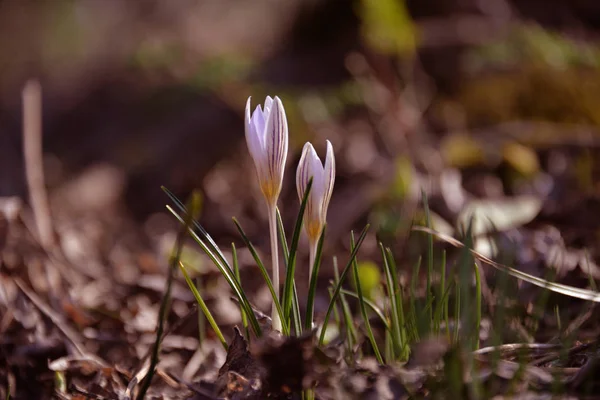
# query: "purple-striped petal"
x,y
252,139
268,103
258,119
310,166
303,172
267,139
329,180
276,144
316,194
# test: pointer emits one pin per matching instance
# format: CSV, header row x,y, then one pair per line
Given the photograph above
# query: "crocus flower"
x,y
310,166
267,138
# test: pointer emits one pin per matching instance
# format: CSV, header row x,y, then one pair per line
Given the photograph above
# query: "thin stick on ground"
x,y
38,196
34,166
73,337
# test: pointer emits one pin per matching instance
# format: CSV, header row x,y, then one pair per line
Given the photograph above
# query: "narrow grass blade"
x,y
442,305
227,274
477,306
503,293
236,271
591,280
60,384
336,313
465,276
312,289
351,332
348,322
374,307
439,310
389,257
567,290
295,304
203,307
389,346
412,316
296,317
203,233
393,305
362,306
429,252
218,258
264,273
163,311
291,264
341,281
539,306
282,238
201,317
457,309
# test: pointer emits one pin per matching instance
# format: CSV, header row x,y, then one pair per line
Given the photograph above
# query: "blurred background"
x,y
491,107
465,99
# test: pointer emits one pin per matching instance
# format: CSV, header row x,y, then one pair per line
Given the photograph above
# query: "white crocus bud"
x,y
310,166
267,139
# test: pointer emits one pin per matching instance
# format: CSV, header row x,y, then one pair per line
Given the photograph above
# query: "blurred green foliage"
x,y
461,150
403,178
531,43
584,170
369,275
64,38
522,159
533,74
218,70
150,55
387,26
533,93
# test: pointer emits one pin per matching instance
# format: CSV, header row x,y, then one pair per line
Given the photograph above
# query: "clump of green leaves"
x,y
438,300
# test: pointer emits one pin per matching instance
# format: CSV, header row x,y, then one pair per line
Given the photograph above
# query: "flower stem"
x,y
312,251
276,324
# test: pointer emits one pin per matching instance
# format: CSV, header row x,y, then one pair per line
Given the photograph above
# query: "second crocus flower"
x,y
323,176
